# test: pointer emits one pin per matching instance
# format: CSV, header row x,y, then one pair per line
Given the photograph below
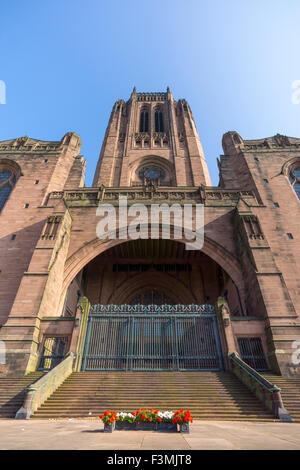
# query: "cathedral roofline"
x,y
150,95
232,140
26,143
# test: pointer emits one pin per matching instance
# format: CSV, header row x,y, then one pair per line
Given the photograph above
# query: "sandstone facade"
x,y
51,256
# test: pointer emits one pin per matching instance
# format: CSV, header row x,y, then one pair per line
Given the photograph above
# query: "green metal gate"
x,y
152,337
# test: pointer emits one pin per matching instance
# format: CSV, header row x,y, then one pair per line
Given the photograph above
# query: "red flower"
x,y
148,415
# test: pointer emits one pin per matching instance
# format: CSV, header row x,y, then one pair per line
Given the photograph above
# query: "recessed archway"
x,y
95,247
205,281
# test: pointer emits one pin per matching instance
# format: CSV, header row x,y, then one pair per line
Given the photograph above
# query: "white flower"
x,y
162,414
166,414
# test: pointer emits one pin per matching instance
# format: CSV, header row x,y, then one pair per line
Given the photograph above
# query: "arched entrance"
x,y
153,308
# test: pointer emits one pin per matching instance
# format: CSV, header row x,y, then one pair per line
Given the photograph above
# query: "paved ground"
x,y
204,435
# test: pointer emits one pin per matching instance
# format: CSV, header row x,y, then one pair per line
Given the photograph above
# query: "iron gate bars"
x,y
53,352
252,353
151,341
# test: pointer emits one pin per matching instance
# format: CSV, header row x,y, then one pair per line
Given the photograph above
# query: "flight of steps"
x,y
208,395
290,393
12,392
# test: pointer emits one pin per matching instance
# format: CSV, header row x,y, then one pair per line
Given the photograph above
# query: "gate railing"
x,y
268,393
152,337
252,353
165,309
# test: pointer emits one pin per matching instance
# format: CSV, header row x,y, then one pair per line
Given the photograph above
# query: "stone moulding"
x,y
207,196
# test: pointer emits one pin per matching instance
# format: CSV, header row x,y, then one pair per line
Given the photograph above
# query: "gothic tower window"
x,y
151,173
294,177
144,120
7,182
159,122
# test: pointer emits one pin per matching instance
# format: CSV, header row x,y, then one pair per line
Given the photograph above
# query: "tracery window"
x,y
159,122
151,173
152,296
144,121
7,182
294,177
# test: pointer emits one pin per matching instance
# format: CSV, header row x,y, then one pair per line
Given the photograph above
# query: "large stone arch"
x,y
95,247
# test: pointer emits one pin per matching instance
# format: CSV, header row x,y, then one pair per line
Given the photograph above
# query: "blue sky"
x,y
65,62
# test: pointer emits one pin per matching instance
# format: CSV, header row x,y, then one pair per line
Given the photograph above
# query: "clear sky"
x,y
65,62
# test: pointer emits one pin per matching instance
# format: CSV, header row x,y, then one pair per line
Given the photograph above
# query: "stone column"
x,y
225,328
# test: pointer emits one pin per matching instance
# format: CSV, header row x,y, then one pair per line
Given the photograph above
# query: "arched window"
x,y
294,177
7,182
152,296
159,122
144,120
151,173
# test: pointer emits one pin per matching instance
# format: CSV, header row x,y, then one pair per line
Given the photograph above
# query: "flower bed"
x,y
147,419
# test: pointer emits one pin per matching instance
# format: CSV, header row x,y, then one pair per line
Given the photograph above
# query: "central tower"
x,y
151,137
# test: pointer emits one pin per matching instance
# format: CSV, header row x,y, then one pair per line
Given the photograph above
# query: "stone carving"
x,y
282,140
151,191
26,144
151,96
153,309
278,141
57,195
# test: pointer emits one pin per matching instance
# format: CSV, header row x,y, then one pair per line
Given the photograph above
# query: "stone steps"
x,y
12,392
208,395
290,392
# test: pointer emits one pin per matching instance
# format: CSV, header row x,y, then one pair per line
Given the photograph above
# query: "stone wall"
x,y
48,229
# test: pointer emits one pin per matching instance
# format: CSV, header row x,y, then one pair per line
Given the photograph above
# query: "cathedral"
x,y
150,304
